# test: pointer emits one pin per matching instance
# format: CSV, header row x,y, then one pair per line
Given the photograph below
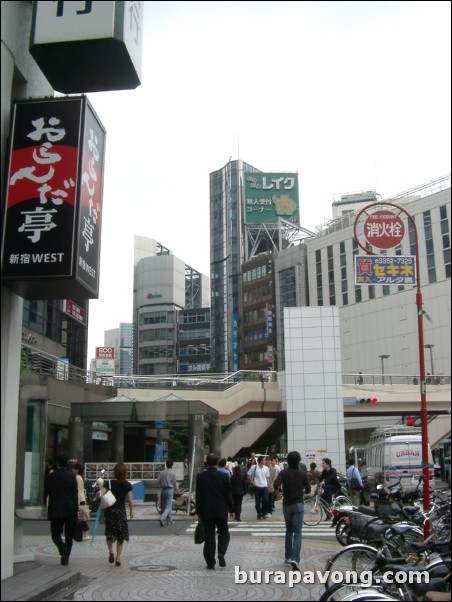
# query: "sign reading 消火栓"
x,y
52,224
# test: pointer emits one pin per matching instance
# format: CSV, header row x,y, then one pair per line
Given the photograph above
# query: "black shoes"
x,y
64,557
211,567
111,558
221,560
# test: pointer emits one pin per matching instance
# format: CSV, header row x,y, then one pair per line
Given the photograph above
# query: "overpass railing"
x,y
393,379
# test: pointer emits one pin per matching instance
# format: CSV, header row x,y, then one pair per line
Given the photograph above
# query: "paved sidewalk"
x,y
168,567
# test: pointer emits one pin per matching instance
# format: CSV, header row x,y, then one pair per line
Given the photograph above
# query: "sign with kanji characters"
x,y
88,46
269,196
52,225
384,229
75,311
384,269
105,361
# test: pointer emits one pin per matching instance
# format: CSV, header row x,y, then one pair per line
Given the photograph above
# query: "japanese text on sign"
x,y
398,270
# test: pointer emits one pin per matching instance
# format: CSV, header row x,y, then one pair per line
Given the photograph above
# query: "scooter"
x,y
92,497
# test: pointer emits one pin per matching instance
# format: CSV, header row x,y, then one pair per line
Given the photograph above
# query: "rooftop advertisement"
x,y
270,196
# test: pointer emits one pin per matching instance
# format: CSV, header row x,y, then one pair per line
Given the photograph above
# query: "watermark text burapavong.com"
x,y
365,578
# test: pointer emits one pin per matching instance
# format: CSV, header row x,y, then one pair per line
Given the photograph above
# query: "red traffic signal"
x,y
410,421
372,400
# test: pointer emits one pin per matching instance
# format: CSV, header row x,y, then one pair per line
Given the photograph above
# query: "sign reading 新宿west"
x,y
88,46
384,229
52,225
384,269
269,196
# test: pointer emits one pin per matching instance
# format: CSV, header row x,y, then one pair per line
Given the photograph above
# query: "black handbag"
x,y
200,532
77,534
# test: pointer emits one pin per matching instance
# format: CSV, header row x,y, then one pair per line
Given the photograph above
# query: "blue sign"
x,y
385,269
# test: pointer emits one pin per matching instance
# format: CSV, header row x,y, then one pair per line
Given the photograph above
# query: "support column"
x,y
76,437
117,441
196,427
215,438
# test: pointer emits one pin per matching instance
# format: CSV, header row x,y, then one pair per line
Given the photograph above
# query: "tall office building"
x,y
163,286
227,253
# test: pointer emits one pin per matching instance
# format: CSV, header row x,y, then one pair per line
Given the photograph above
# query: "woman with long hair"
x,y
116,528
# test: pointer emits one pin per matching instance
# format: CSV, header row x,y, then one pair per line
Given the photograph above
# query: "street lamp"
x,y
383,358
430,346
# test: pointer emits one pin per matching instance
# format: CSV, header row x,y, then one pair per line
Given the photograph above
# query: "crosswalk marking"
x,y
274,529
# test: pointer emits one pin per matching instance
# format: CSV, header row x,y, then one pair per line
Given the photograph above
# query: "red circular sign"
x,y
384,229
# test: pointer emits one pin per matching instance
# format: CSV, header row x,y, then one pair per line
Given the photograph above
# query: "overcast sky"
x,y
351,95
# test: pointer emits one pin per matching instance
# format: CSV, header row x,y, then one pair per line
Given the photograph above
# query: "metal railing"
x,y
369,380
45,363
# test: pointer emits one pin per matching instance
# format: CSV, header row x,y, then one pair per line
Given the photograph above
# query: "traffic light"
x,y
372,400
410,421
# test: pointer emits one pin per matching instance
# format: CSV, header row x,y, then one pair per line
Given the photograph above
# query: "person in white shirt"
x,y
354,482
259,476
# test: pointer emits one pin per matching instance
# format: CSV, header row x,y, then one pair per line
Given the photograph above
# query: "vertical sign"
x,y
235,342
90,214
51,231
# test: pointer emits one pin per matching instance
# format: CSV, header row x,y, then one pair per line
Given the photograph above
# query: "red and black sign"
x,y
53,210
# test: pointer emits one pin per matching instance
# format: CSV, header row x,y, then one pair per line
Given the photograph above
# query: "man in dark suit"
x,y
61,489
213,500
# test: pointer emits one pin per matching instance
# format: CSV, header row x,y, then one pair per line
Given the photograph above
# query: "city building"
x,y
121,340
164,286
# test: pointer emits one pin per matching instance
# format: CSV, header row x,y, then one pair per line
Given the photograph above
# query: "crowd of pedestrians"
x,y
220,490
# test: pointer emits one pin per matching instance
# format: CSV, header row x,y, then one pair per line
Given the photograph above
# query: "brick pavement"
x,y
171,567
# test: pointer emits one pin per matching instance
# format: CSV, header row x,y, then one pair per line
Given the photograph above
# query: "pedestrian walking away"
x,y
168,483
238,486
116,528
294,483
77,471
354,483
61,489
213,501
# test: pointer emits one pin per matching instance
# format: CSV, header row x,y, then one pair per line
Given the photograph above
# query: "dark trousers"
x,y
211,524
56,528
237,505
261,501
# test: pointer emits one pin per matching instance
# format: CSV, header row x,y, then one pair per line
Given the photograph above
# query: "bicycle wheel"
x,y
313,512
341,500
342,531
357,557
347,591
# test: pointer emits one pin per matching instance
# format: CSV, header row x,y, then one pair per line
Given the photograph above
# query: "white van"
x,y
392,456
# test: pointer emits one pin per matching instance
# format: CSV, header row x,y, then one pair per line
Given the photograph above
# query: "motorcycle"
x,y
180,502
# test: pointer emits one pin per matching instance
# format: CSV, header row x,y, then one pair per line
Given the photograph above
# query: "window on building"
x,y
429,247
445,234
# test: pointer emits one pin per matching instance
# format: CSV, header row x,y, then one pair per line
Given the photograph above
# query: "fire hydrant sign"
x,y
384,229
385,269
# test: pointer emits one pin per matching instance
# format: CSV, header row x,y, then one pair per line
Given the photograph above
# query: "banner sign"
x,y
269,196
52,225
384,269
75,311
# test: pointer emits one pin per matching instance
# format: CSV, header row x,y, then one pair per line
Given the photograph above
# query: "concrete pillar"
x,y
117,441
215,438
76,437
196,428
